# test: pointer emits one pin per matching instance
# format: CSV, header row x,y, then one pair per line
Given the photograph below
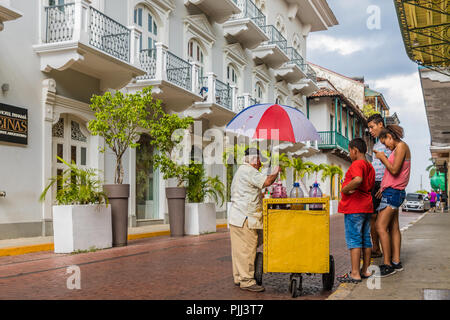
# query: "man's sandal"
x,y
347,278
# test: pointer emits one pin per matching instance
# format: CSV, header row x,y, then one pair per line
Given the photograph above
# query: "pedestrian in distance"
x,y
438,199
376,125
357,206
392,194
433,199
246,217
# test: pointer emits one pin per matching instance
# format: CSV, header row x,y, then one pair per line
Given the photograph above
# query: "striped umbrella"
x,y
258,121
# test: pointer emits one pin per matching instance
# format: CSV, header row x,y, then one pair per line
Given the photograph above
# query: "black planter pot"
x,y
118,195
176,198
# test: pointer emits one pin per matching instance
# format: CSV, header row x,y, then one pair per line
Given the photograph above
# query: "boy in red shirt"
x,y
356,204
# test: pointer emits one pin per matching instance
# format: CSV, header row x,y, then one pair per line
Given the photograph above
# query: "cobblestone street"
x,y
157,268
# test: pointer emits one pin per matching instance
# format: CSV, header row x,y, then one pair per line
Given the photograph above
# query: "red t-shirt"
x,y
361,200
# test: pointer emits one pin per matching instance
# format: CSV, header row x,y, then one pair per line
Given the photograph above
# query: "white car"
x,y
416,202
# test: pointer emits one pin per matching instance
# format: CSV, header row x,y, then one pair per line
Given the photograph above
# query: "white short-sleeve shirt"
x,y
246,197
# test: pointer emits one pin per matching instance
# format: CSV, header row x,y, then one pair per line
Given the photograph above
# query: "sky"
x,y
367,42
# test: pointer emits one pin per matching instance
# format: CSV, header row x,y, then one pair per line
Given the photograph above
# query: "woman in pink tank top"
x,y
392,194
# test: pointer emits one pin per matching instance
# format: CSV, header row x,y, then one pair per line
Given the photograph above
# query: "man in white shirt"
x,y
246,217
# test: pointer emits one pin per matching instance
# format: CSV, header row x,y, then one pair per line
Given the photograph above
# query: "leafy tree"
x,y
330,171
425,192
315,169
301,168
120,119
369,110
431,169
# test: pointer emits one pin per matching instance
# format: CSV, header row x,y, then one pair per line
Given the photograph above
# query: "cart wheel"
x,y
295,287
259,268
328,278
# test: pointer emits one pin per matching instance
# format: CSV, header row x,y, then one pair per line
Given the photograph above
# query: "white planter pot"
x,y
199,218
333,206
81,227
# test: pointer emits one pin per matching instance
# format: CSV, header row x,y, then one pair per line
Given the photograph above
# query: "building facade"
x,y
204,58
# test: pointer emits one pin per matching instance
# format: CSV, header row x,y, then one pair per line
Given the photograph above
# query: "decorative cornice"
x,y
199,25
236,53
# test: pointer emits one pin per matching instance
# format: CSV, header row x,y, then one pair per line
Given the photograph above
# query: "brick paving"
x,y
157,268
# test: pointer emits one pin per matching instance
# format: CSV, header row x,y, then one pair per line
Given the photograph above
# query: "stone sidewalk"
x,y
426,261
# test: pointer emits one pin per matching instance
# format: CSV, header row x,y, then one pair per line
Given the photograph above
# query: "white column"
x,y
161,61
234,102
195,74
211,87
246,100
135,35
48,119
82,21
132,182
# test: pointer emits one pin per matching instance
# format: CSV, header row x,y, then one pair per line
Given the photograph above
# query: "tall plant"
x,y
120,119
330,171
280,159
200,186
316,169
301,168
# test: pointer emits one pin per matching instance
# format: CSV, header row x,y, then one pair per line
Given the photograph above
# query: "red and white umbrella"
x,y
258,121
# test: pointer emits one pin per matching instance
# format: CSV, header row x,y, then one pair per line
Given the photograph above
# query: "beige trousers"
x,y
244,242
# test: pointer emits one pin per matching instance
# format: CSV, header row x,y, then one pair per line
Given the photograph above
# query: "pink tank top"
x,y
399,181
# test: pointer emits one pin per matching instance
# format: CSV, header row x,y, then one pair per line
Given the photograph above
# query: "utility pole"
x,y
421,188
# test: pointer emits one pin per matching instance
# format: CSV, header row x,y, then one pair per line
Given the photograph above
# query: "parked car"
x,y
416,202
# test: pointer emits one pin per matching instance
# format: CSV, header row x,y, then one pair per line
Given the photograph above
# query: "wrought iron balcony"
x,y
246,101
333,140
219,11
247,26
294,69
80,37
274,51
275,37
310,73
295,57
175,69
104,33
251,11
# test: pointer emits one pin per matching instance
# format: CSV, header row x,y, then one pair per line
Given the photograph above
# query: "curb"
x,y
344,289
15,251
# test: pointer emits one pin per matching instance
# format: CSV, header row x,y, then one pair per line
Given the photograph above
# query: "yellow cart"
x,y
296,241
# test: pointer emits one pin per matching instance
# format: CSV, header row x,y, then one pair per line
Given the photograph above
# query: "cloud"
x,y
343,46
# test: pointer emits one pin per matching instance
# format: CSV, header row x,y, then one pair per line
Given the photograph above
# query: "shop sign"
x,y
13,124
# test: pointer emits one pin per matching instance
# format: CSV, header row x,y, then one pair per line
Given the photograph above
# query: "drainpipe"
x,y
307,108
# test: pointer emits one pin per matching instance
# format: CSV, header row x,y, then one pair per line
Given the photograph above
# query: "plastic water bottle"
x,y
296,193
315,192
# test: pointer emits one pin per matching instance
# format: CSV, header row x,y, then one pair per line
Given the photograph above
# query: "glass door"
x,y
146,181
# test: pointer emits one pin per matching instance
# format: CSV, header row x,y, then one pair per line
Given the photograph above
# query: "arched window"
x,y
259,92
145,21
296,43
196,54
232,75
279,99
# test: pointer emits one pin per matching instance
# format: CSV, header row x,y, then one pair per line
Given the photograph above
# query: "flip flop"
x,y
347,278
363,276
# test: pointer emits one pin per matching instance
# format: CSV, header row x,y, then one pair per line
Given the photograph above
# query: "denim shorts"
x,y
392,198
357,230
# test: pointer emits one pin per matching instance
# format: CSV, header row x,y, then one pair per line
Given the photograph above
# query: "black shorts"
x,y
376,202
432,204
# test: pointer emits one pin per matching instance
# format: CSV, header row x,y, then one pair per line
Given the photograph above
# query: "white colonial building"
x,y
204,58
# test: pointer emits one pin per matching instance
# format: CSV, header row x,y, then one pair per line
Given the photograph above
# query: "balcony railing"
x,y
177,70
223,94
275,37
105,33
310,73
60,21
109,35
333,140
295,57
251,11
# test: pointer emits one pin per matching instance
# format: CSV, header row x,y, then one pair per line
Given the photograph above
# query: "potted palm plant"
x,y
201,216
330,171
121,119
81,216
300,169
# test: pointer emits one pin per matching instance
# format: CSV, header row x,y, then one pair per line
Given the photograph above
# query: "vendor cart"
x,y
296,241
